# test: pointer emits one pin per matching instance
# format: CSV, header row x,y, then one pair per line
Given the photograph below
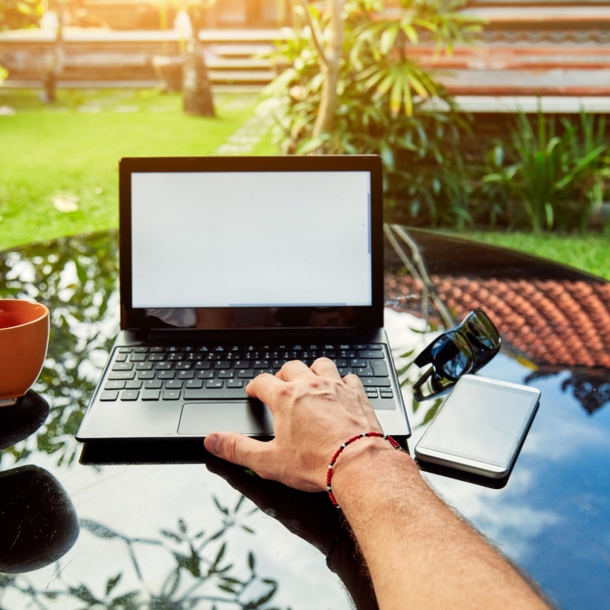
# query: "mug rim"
x,y
44,314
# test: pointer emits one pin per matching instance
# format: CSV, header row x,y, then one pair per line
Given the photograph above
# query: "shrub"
x,y
384,103
556,180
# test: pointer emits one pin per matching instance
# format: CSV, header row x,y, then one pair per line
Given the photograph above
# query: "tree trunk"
x,y
330,68
197,93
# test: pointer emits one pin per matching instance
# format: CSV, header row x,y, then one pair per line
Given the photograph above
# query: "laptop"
x,y
230,267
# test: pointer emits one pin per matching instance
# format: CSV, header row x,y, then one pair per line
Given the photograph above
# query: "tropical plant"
x,y
16,14
557,177
382,100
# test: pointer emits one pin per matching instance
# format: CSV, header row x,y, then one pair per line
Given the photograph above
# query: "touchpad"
x,y
247,417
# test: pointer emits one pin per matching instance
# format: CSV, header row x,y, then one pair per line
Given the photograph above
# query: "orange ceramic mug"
x,y
24,336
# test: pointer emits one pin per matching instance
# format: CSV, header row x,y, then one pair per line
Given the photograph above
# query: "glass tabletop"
x,y
171,527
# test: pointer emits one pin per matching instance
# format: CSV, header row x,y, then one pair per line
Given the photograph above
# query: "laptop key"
x,y
214,383
357,363
379,369
205,375
164,366
151,394
166,375
222,364
122,375
155,384
173,384
120,358
375,382
204,365
122,366
140,350
144,366
215,394
130,395
184,366
109,395
235,383
194,384
137,358
156,357
171,395
370,354
133,385
245,373
226,374
186,374
364,372
114,385
147,375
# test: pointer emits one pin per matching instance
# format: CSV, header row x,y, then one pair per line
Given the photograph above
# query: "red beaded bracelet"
x,y
333,461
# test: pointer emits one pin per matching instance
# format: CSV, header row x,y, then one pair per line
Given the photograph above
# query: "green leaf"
x,y
396,97
220,507
112,583
410,33
548,209
220,554
388,38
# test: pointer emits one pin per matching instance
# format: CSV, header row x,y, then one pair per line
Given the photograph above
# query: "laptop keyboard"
x,y
158,373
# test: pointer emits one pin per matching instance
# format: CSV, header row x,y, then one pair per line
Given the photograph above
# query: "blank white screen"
x,y
250,239
481,421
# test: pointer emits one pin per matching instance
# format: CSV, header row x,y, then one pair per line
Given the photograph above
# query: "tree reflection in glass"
x,y
77,279
204,575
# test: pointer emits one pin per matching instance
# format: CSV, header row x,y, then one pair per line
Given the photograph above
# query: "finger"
x,y
323,367
353,381
264,387
239,449
292,370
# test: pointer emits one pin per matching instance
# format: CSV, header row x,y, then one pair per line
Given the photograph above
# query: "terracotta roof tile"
x,y
551,322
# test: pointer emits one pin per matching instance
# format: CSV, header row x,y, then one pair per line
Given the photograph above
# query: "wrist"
x,y
367,445
364,464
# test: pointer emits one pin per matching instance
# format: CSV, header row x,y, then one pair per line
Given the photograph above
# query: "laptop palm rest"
x,y
205,417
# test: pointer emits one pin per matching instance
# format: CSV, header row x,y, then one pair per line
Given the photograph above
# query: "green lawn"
x,y
71,149
590,252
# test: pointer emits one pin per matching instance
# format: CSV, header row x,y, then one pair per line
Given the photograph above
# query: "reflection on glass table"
x,y
184,534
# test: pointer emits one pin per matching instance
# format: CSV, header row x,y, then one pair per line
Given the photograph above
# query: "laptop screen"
x,y
251,239
214,243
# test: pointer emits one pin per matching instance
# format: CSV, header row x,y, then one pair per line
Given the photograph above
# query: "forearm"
x,y
419,553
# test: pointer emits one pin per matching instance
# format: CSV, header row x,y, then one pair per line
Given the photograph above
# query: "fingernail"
x,y
213,444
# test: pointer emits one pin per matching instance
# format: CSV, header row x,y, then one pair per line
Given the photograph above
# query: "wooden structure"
x,y
558,50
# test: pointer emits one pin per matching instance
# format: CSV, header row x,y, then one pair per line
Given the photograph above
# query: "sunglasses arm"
x,y
420,382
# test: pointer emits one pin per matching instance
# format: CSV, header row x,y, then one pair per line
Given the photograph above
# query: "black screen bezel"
x,y
362,317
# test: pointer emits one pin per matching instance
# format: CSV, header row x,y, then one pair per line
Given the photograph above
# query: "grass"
x,y
72,149
589,252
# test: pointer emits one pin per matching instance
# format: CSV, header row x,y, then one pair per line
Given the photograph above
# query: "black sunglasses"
x,y
463,349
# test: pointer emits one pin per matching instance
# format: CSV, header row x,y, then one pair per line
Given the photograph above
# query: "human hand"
x,y
314,412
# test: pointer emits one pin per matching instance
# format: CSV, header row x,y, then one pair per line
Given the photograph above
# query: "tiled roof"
x,y
550,322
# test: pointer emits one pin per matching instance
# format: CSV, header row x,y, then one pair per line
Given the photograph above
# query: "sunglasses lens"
x,y
483,329
452,354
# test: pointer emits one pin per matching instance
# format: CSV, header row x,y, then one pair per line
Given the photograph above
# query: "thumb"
x,y
239,449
